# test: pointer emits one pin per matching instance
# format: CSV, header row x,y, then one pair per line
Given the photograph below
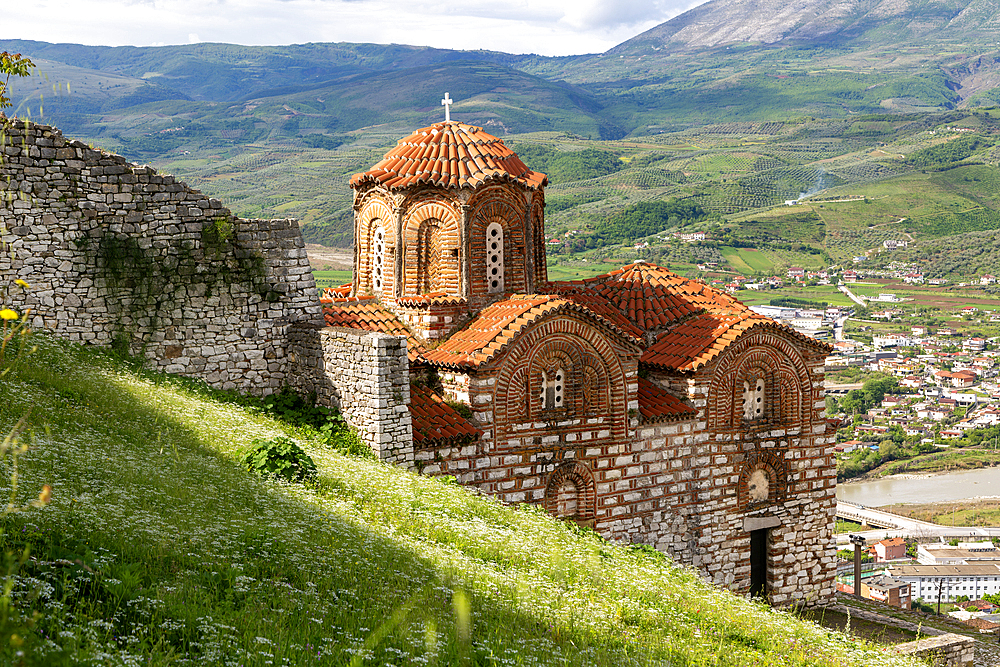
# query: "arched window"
x,y
753,399
494,257
378,260
429,256
552,388
567,500
570,493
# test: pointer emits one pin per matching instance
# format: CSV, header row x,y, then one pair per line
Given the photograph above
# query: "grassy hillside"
x,y
158,549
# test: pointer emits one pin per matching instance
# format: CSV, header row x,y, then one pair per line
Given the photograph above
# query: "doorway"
x,y
758,563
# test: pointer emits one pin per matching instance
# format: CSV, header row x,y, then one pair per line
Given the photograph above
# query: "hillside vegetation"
x,y
881,126
157,548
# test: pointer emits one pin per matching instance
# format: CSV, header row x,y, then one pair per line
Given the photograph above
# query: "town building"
x,y
962,554
927,582
889,549
887,590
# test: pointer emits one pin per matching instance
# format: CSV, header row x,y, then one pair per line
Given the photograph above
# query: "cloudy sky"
x,y
547,27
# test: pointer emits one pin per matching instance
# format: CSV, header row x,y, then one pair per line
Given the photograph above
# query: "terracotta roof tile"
x,y
330,293
368,314
497,325
432,299
694,342
449,154
656,404
435,422
653,297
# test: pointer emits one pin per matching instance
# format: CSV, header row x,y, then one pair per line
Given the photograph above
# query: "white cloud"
x,y
548,27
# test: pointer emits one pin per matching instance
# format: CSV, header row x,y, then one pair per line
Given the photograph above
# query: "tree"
x,y
12,64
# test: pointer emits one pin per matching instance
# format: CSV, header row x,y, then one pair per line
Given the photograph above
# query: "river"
x,y
930,489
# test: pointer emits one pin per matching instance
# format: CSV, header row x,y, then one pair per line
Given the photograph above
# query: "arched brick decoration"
x,y
538,228
578,476
774,468
375,213
431,262
787,384
516,398
593,388
504,205
582,345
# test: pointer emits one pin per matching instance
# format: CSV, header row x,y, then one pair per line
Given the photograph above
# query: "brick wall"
x,y
435,242
363,374
115,252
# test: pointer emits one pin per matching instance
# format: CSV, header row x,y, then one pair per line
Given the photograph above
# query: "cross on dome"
x,y
446,103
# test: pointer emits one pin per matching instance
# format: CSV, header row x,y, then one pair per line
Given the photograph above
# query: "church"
x,y
647,406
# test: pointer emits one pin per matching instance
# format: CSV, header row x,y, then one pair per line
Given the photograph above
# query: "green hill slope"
x,y
158,549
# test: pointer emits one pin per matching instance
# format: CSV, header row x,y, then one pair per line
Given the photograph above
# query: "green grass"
x,y
846,526
968,459
827,293
978,512
332,278
579,270
157,548
747,260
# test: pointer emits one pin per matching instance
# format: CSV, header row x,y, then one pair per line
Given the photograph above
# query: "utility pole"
x,y
858,541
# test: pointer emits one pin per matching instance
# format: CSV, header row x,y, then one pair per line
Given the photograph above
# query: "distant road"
x,y
843,288
838,327
894,525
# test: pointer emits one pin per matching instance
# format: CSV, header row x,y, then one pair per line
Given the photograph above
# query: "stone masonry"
x,y
365,375
116,254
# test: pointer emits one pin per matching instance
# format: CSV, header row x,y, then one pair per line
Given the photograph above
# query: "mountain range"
x,y
723,60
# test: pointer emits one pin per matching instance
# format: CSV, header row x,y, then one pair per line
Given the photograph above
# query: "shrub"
x,y
346,440
280,457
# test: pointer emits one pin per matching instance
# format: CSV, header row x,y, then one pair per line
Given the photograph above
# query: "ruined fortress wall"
x,y
365,375
116,254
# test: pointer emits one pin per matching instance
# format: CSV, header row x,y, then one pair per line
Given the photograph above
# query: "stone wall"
x,y
116,254
948,650
363,374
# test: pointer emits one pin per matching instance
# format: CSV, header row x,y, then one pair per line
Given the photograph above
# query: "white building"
x,y
953,581
891,340
776,312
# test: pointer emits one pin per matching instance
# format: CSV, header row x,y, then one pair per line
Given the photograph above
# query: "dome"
x,y
451,155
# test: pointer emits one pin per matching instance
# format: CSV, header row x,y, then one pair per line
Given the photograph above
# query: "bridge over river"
x,y
888,524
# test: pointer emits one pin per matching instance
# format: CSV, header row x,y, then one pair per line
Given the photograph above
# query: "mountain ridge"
x,y
721,22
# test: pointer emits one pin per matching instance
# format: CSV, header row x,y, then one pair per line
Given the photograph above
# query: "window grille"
x,y
552,389
378,259
494,257
753,399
